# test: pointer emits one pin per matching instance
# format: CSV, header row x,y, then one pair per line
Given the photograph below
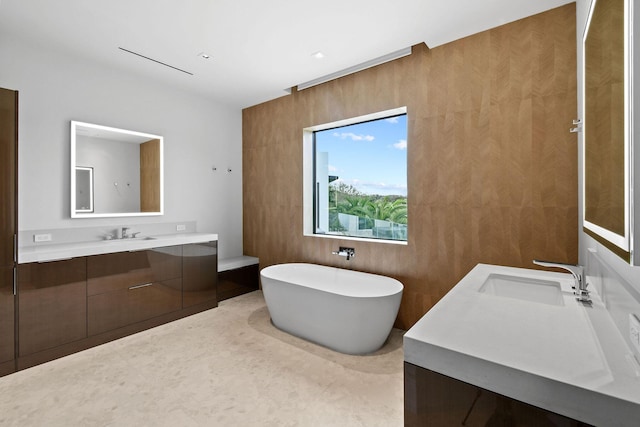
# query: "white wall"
x,y
55,88
616,281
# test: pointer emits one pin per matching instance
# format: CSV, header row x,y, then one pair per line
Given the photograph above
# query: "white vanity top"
x,y
558,355
55,252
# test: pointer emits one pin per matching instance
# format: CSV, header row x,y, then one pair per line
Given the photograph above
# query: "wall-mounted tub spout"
x,y
345,252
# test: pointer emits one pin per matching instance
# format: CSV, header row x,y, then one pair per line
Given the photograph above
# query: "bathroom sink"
x,y
523,288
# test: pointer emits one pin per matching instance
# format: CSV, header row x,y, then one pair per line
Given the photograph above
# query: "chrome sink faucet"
x,y
124,232
580,287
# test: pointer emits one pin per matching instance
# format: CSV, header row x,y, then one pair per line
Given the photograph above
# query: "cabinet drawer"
x,y
112,310
122,270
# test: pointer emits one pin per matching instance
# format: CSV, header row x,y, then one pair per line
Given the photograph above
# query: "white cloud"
x,y
381,188
353,136
392,120
401,145
332,168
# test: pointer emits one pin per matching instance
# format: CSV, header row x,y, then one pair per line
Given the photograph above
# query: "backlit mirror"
x,y
115,172
607,121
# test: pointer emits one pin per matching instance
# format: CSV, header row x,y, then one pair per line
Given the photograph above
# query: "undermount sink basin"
x,y
523,288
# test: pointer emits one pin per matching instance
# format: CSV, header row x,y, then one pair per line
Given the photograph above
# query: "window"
x,y
359,183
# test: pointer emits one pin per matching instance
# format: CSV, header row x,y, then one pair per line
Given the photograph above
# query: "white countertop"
x,y
53,252
236,262
569,358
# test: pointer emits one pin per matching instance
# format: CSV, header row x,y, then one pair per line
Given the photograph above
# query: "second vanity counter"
x,y
54,252
549,351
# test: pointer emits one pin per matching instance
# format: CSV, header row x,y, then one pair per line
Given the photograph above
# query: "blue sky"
x,y
371,156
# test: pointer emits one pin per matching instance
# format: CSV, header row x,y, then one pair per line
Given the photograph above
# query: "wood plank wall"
x,y
150,176
492,167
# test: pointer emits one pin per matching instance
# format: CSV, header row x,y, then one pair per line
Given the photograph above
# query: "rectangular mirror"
x,y
115,172
607,122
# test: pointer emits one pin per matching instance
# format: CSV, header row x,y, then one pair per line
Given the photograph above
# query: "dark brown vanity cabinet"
x,y
238,281
199,273
435,400
7,313
71,305
129,287
52,304
8,225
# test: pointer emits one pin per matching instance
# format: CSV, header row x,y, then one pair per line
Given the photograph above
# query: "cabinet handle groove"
x,y
140,286
53,260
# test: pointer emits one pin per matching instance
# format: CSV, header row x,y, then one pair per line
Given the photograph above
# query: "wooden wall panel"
x,y
492,168
150,176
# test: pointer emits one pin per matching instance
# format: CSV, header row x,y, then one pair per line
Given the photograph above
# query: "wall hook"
x,y
578,127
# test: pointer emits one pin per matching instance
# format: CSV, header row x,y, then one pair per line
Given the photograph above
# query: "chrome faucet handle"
x,y
124,232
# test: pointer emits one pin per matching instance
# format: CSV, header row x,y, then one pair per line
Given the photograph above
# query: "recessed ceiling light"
x,y
318,55
204,55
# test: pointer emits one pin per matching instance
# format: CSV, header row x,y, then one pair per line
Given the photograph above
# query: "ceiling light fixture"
x,y
363,66
204,55
318,55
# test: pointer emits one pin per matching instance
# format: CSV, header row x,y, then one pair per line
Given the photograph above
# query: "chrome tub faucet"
x,y
345,252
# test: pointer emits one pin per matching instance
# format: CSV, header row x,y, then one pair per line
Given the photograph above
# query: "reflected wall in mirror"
x,y
606,125
125,169
84,189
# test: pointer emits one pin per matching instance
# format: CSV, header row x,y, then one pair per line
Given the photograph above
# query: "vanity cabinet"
x,y
129,287
70,305
432,399
7,335
199,274
52,304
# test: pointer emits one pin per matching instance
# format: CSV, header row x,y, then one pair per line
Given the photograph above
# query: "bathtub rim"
x,y
395,286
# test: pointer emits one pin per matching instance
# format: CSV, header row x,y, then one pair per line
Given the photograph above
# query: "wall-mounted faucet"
x,y
345,252
580,288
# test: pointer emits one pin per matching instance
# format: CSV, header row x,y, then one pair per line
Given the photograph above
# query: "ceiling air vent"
x,y
154,60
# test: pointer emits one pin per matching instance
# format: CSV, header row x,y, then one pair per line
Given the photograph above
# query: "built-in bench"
x,y
237,276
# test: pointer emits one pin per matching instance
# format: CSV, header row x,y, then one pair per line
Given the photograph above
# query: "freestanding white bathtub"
x,y
348,311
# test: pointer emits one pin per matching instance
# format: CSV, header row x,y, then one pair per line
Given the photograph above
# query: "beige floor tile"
x,y
224,367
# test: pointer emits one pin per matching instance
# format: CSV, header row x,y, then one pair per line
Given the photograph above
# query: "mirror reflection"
x,y
84,189
115,172
606,138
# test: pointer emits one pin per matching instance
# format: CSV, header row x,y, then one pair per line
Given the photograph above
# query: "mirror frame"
x,y
74,213
622,245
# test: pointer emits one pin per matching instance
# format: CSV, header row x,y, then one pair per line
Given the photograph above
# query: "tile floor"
x,y
225,367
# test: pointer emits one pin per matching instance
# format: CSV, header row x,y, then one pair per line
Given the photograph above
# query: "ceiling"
x,y
258,48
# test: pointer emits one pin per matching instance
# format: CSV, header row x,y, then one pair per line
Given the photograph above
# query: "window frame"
x,y
310,203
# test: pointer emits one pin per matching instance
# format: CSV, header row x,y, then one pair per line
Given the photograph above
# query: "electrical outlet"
x,y
181,227
42,238
634,331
